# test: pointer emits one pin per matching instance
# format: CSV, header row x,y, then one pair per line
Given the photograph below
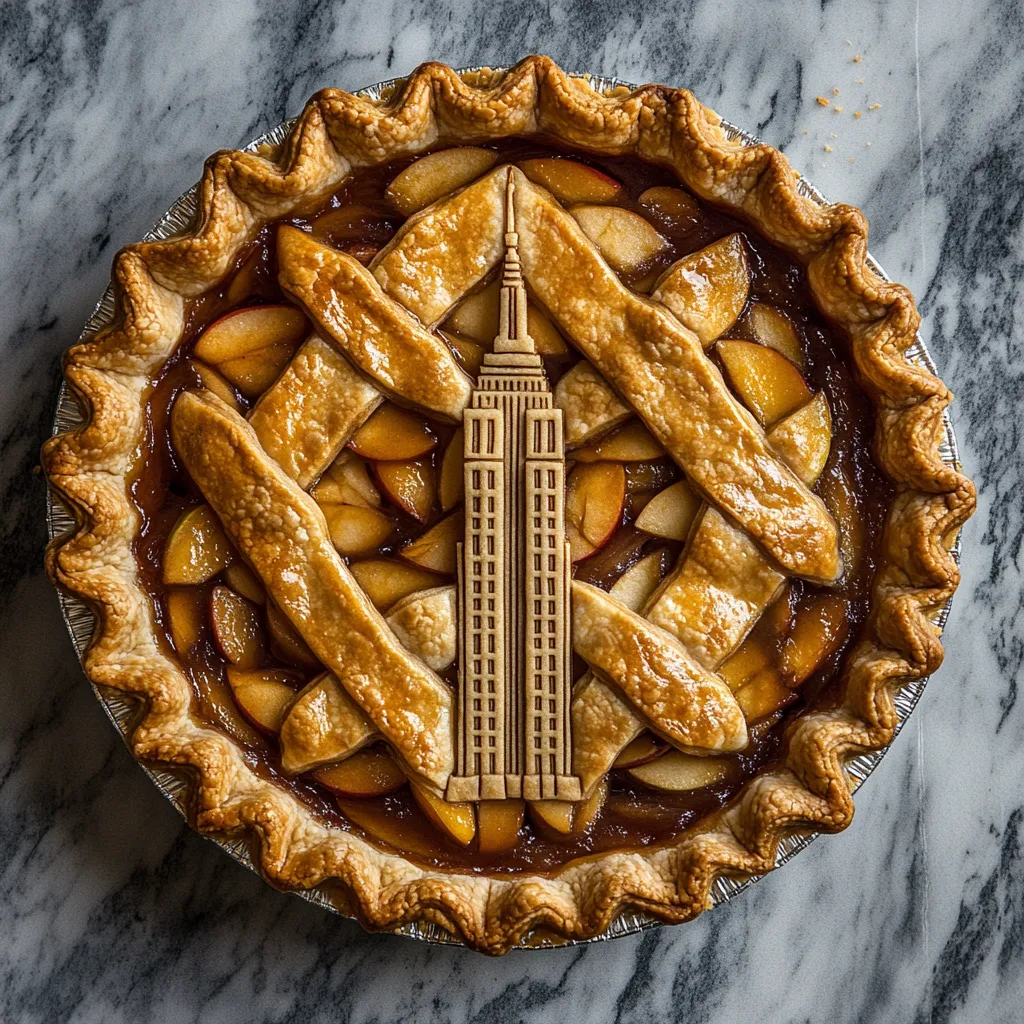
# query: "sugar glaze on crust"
x,y
112,374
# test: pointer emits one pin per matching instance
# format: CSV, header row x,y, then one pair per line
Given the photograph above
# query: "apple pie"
x,y
510,502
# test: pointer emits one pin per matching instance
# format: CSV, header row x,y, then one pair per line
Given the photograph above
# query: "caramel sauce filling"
x,y
360,220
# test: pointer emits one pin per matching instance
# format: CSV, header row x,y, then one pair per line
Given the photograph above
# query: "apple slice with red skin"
x,y
570,181
263,695
676,772
237,628
392,433
625,239
435,175
594,500
285,642
497,825
768,383
436,549
646,747
455,820
674,211
197,548
411,485
632,442
367,773
250,347
386,581
452,486
670,513
187,616
707,290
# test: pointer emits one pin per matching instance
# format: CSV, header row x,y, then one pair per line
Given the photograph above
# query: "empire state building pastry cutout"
x,y
514,572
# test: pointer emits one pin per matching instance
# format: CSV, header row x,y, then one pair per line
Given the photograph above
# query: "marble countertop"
x,y
112,910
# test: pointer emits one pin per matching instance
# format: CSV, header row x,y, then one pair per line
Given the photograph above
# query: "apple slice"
x,y
355,529
498,825
630,443
366,773
570,181
455,820
411,485
594,500
219,706
746,663
547,341
392,433
242,580
636,584
553,815
210,379
409,833
352,222
476,316
186,617
676,772
453,479
251,347
625,239
244,281
817,633
386,581
285,642
436,174
763,695
197,548
237,628
561,818
836,490
670,513
590,408
676,212
707,290
346,481
769,384
804,439
470,353
435,550
646,747
771,327
263,696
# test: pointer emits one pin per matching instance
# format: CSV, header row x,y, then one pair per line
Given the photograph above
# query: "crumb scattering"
x,y
838,110
835,92
867,144
859,81
857,113
851,159
828,148
822,102
857,59
875,106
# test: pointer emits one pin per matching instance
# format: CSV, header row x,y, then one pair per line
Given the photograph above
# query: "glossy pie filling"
x,y
389,495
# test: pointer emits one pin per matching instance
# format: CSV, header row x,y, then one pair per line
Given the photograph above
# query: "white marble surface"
x,y
111,910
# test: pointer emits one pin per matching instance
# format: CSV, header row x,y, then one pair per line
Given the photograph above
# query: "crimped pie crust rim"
x,y
582,898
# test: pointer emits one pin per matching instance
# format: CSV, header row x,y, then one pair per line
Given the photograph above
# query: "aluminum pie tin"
x,y
121,709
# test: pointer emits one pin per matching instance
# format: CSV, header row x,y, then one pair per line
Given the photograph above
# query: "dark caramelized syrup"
x,y
359,220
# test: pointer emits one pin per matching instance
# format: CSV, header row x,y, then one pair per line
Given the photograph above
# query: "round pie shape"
x,y
240,192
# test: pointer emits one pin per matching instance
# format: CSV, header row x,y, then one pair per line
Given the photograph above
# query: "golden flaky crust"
x,y
112,373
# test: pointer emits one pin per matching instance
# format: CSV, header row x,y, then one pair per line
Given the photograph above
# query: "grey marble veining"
x,y
111,910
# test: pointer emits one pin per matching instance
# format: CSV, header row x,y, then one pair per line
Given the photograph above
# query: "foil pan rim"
x,y
79,619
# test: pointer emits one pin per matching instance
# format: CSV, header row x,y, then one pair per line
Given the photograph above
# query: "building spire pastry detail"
x,y
514,571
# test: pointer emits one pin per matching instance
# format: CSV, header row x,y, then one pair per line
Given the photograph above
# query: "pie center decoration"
x,y
514,571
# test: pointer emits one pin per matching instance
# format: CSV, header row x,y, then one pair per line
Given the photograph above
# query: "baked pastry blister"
x,y
747,450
